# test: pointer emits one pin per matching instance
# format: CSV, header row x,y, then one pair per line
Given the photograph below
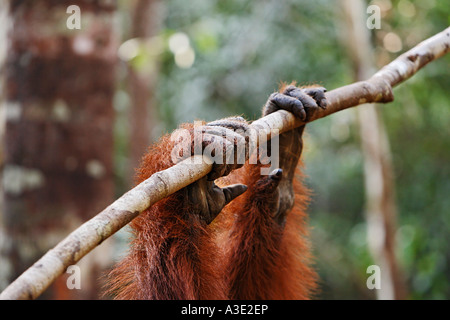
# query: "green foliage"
x,y
244,49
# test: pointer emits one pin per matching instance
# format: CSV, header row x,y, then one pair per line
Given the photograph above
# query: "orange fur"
x,y
242,254
172,255
263,259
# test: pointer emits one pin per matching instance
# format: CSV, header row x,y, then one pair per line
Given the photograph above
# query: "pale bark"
x,y
377,89
381,208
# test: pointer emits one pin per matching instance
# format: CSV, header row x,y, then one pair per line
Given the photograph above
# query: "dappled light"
x,y
83,100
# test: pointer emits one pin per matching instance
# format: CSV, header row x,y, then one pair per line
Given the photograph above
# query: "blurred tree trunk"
x,y
58,139
378,169
4,262
141,84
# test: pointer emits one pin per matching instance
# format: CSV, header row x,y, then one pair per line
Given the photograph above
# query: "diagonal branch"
x,y
69,251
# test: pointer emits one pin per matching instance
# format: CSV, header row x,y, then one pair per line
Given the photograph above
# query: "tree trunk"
x,y
58,142
141,85
378,170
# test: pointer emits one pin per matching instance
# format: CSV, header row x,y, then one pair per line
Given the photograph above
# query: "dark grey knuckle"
x,y
273,95
289,89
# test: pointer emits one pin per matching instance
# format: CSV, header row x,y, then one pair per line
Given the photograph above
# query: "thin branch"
x,y
69,251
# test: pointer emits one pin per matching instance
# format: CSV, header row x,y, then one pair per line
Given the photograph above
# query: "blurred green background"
x,y
244,49
212,59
